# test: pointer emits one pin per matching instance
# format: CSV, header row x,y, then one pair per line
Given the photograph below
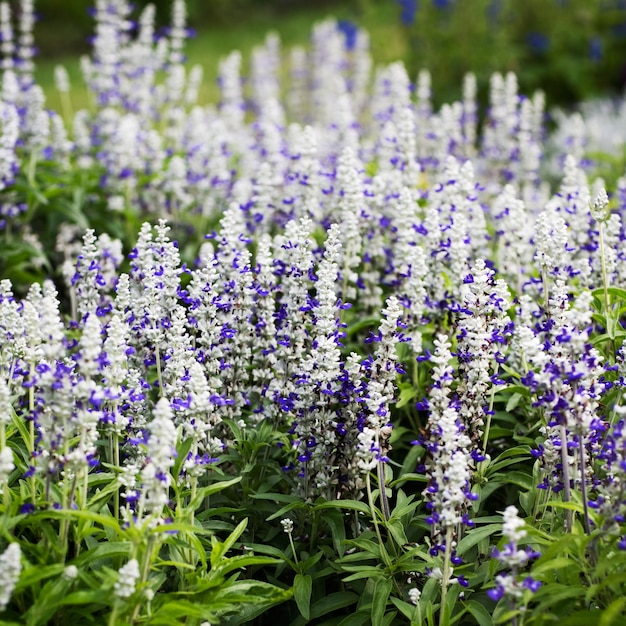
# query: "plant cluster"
x,y
573,49
321,353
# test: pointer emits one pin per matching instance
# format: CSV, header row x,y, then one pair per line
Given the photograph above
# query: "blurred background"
x,y
572,49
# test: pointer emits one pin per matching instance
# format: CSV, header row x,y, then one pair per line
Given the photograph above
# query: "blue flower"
x,y
496,593
409,9
538,42
595,49
350,31
532,584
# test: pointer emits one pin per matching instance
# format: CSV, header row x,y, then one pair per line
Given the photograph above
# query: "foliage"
x,y
572,49
321,354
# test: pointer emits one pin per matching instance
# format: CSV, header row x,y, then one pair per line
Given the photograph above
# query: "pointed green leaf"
x,y
302,587
382,589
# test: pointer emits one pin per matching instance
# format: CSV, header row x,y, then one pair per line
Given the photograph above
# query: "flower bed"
x,y
319,354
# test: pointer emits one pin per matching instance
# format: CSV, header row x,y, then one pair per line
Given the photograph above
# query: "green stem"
x,y
370,499
566,486
192,513
145,570
488,427
617,403
66,106
603,265
68,499
605,285
157,355
293,549
384,502
314,528
32,166
417,612
546,293
583,484
31,429
116,495
5,492
445,578
113,616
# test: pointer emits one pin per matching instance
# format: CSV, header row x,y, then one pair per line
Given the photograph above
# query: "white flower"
x,y
10,569
6,464
61,79
414,595
599,206
127,579
513,526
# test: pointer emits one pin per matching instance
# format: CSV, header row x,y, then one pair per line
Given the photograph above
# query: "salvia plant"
x,y
321,353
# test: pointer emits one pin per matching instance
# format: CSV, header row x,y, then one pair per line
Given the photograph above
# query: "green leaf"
x,y
571,506
250,598
396,530
219,549
335,521
276,497
405,506
409,477
358,326
84,597
357,619
551,565
230,541
521,389
285,509
476,535
614,613
361,571
103,551
302,587
242,561
552,594
407,393
205,492
329,604
513,402
264,549
371,547
408,610
181,456
105,520
479,613
21,425
183,608
617,292
36,574
382,589
311,561
525,481
352,505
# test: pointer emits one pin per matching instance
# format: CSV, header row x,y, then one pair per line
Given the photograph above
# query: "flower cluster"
x,y
449,465
298,258
10,569
513,558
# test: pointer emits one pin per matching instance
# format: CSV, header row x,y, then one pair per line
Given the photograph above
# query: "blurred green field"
x,y
213,41
571,49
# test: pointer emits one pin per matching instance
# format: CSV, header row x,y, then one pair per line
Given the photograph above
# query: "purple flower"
x,y
350,31
595,49
531,584
496,593
409,9
538,42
